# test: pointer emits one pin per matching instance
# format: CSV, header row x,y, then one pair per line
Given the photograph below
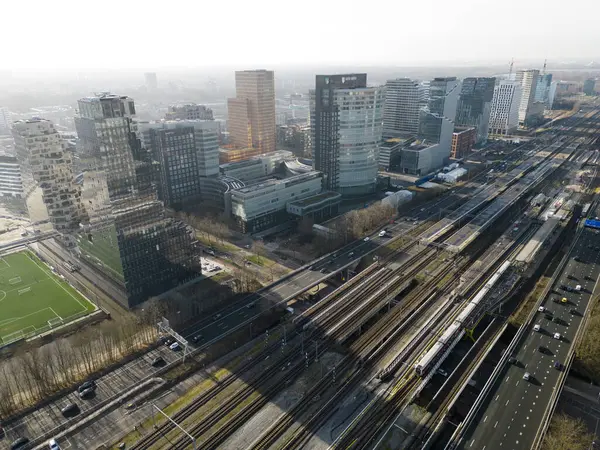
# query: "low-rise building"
x,y
263,205
318,207
257,166
419,159
388,150
11,184
463,140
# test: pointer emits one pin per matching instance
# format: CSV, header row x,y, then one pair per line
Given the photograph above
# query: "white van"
x,y
536,327
53,445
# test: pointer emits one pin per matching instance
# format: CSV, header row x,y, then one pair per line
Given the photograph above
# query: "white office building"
x,y
504,116
260,206
11,184
528,80
403,100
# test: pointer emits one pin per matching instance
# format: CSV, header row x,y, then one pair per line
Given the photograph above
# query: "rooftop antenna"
x,y
512,61
544,69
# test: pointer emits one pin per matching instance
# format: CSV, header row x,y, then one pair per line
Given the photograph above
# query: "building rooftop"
x,y
275,181
316,198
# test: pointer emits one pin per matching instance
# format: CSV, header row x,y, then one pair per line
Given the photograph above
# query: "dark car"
x,y
542,349
587,277
571,277
512,360
19,443
158,361
574,311
91,384
86,393
70,410
557,365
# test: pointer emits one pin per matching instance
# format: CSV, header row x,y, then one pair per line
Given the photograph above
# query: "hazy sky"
x,y
150,34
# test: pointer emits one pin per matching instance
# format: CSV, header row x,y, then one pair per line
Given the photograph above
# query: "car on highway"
x,y
90,384
564,300
86,393
382,233
571,277
557,336
366,239
512,360
578,287
350,255
323,270
53,445
536,327
526,376
199,336
70,410
557,365
158,361
541,309
19,443
175,346
574,311
442,372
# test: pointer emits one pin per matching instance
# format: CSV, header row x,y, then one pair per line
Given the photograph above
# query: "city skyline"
x,y
438,37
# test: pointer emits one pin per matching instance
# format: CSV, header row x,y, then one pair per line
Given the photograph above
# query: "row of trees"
x,y
213,229
32,375
567,433
588,351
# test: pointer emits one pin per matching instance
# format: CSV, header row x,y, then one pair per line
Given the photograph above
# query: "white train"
x,y
448,336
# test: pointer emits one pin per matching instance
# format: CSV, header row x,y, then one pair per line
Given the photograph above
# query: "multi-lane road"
x,y
515,407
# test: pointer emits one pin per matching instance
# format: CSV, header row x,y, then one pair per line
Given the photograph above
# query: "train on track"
x,y
448,337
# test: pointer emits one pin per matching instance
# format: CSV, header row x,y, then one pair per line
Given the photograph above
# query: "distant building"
x,y
294,138
403,101
11,184
252,111
5,121
542,90
528,80
189,111
346,129
126,234
567,87
438,115
262,205
47,175
504,115
463,140
151,81
228,155
589,86
475,105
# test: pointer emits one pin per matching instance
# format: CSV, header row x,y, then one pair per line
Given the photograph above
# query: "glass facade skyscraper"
x,y
475,104
126,233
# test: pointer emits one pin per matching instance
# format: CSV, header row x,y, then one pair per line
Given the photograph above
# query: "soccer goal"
x,y
24,290
15,280
55,322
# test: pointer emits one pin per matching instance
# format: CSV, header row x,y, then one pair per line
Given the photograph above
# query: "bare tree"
x,y
567,433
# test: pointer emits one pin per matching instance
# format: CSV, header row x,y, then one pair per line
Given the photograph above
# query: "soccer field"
x,y
33,299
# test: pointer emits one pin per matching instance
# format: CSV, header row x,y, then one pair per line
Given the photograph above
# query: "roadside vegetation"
x,y
567,433
587,362
520,315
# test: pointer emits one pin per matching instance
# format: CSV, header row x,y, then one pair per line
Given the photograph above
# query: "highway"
x,y
515,406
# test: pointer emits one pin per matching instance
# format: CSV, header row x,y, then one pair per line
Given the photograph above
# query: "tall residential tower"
x,y
528,80
504,116
346,119
403,98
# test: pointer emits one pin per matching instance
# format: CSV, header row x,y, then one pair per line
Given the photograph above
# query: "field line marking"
x,y
61,286
52,309
23,287
14,319
5,262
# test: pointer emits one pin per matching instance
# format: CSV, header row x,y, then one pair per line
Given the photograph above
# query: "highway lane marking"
x,y
496,424
506,402
485,419
496,399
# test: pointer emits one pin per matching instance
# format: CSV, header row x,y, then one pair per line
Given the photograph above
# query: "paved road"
x,y
512,416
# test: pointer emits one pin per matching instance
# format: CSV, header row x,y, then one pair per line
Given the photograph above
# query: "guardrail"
x,y
457,436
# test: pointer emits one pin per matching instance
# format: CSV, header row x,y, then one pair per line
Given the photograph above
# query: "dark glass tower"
x,y
126,234
475,104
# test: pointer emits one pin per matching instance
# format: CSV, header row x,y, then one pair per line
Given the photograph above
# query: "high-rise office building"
x,y
185,150
542,90
346,119
504,116
589,87
189,111
47,176
528,80
252,111
126,233
403,101
5,121
475,104
438,115
151,81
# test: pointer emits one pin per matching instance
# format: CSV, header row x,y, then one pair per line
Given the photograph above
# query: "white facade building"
x,y
504,116
403,100
48,181
528,80
11,184
260,206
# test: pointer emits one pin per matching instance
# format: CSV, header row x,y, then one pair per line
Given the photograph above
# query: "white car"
x,y
536,327
53,445
175,346
578,287
541,309
366,239
382,233
557,336
526,376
